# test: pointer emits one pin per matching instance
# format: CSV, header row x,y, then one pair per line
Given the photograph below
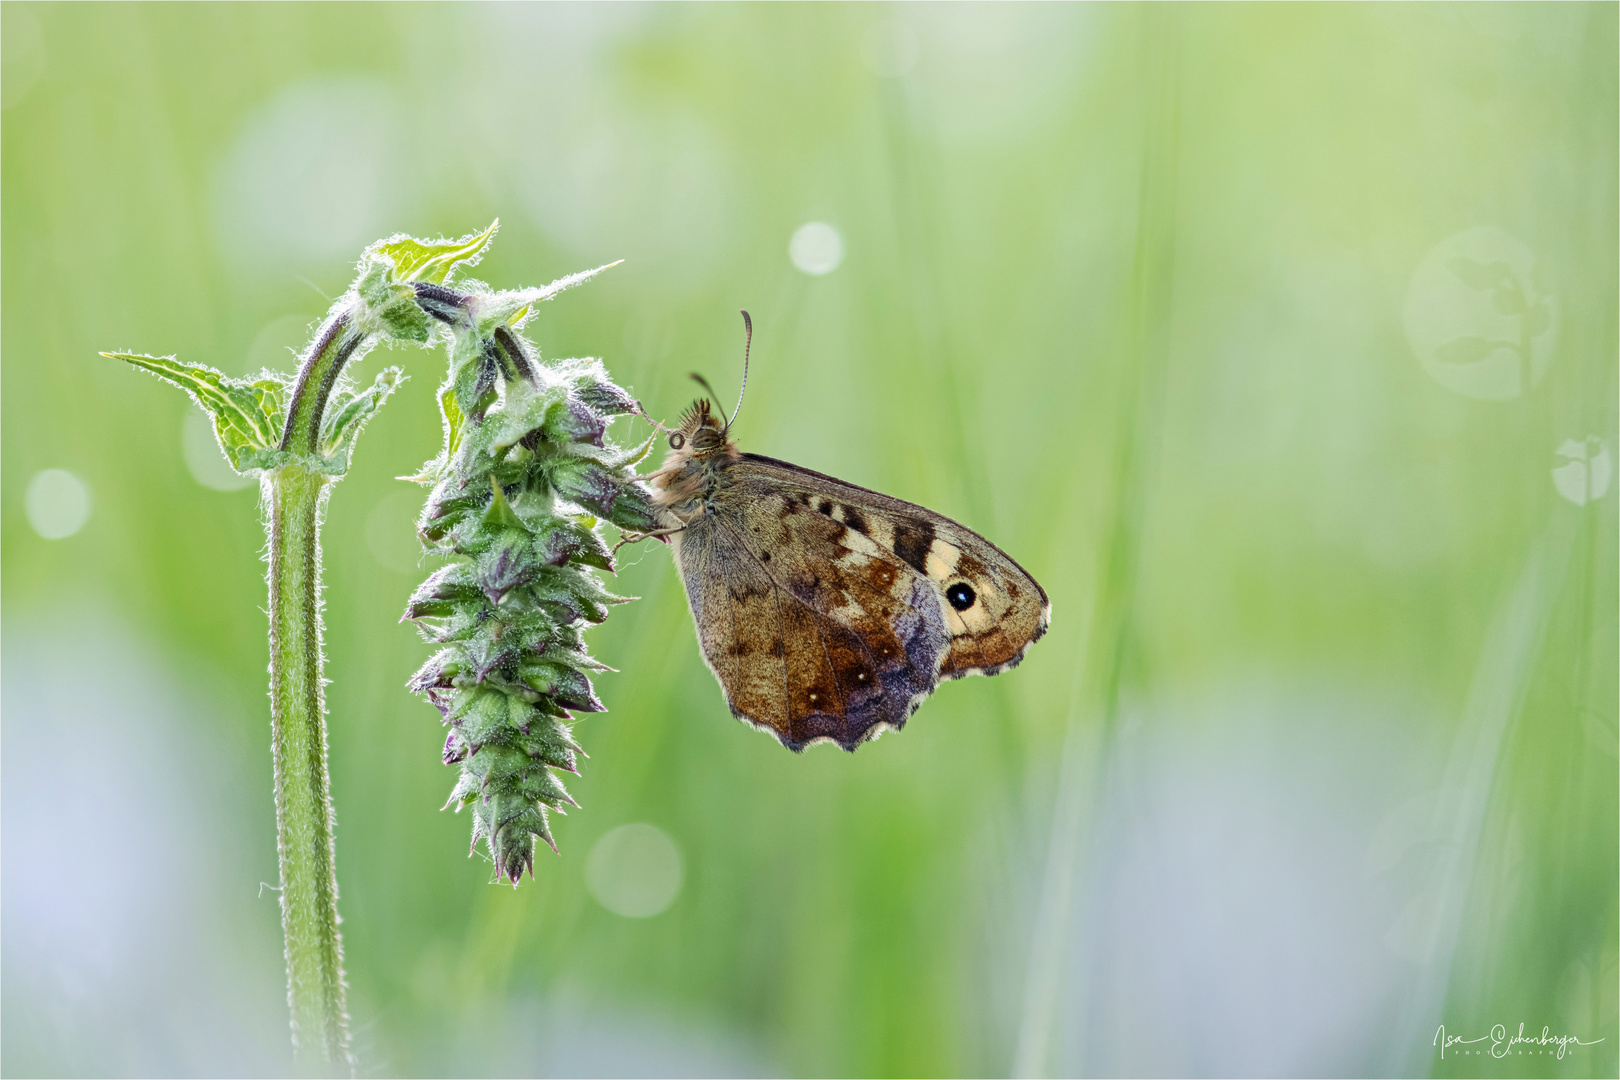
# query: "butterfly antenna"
x,y
748,343
714,397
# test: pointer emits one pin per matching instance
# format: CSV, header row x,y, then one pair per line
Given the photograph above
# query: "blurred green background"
x,y
1278,342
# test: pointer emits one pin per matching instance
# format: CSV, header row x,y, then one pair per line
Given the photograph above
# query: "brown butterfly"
x,y
829,612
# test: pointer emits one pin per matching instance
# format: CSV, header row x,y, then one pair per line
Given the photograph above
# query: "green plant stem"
x,y
316,377
309,919
295,499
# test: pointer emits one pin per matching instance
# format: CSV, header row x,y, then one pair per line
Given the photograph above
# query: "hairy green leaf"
x,y
434,260
346,415
246,415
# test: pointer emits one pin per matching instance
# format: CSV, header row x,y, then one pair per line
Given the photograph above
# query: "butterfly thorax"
x,y
685,486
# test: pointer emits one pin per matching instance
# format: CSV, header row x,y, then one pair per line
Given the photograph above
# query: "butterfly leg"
x,y
642,412
637,537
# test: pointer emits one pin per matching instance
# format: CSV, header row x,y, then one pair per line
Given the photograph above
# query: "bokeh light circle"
x,y
816,248
58,504
635,871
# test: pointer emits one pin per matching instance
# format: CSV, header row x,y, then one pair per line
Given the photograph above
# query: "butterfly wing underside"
x,y
822,607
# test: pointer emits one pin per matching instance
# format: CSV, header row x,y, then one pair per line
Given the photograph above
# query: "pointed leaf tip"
x,y
515,306
346,416
247,418
500,514
435,260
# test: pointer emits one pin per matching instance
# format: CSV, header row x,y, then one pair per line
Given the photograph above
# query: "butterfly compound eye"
x,y
961,596
676,440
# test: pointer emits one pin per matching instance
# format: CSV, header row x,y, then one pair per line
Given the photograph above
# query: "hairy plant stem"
x,y
294,501
303,791
297,434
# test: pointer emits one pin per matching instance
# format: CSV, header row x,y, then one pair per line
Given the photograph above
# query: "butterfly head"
x,y
701,432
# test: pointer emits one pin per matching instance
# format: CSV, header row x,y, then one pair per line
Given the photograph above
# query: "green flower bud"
x,y
632,509
586,483
578,422
605,398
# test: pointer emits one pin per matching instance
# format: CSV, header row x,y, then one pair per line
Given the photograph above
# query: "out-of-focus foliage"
x,y
1277,341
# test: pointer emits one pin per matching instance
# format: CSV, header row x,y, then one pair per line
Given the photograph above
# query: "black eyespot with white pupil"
x,y
676,440
961,596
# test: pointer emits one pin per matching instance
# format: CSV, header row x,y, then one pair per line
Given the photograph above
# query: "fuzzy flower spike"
x,y
518,491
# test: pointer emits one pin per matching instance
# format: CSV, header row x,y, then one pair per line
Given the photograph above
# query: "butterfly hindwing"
x,y
784,666
885,634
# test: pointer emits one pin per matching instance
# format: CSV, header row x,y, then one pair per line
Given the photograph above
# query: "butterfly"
x,y
829,612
